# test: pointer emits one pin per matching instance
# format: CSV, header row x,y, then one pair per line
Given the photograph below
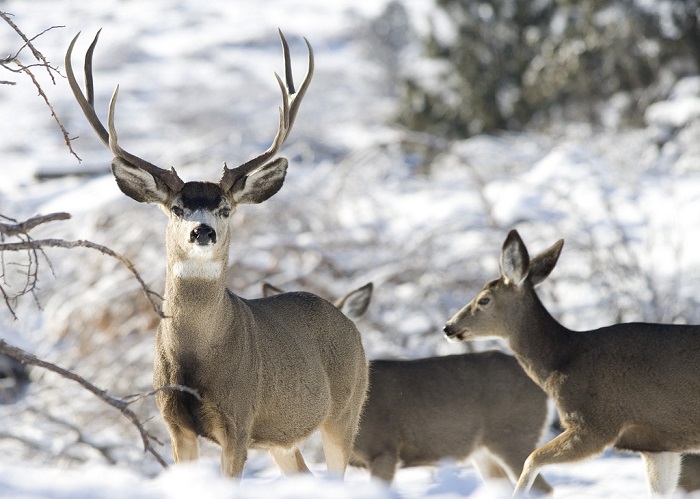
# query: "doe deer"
x,y
633,386
480,406
269,371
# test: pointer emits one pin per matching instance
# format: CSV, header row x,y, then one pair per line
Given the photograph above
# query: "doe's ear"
x,y
270,290
261,184
543,264
138,184
515,261
355,303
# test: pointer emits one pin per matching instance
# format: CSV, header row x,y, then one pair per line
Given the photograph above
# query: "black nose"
x,y
203,234
448,330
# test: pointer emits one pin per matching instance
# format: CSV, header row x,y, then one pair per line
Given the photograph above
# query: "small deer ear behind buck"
x,y
633,386
270,371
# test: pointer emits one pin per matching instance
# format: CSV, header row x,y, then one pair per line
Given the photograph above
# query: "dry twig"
x,y
9,61
35,246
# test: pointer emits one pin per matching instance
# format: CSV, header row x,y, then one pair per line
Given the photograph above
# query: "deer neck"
x,y
195,296
539,343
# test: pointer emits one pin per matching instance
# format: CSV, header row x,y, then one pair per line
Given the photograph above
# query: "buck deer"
x,y
269,371
480,406
632,386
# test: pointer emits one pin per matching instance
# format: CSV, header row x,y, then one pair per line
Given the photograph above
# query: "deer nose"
x,y
448,329
203,234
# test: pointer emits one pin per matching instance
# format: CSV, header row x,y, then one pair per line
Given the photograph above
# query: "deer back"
x,y
429,409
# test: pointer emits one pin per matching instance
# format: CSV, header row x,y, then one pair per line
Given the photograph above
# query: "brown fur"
x,y
633,386
457,406
270,371
477,405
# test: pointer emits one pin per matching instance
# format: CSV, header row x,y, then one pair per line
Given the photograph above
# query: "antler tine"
x,y
109,139
291,100
85,104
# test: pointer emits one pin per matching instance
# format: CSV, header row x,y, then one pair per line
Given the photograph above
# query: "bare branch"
x,y
39,244
26,68
66,138
130,399
117,403
5,16
15,229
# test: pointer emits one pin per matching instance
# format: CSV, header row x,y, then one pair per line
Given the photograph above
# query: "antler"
x,y
291,100
109,139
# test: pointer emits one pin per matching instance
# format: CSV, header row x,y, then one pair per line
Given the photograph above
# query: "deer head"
x,y
504,300
198,211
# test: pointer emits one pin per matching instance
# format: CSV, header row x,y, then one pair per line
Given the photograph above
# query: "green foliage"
x,y
508,64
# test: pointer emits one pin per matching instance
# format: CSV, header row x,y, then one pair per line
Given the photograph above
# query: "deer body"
x,y
268,372
632,386
476,405
285,367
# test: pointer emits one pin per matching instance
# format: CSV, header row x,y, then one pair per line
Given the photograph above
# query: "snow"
x,y
197,89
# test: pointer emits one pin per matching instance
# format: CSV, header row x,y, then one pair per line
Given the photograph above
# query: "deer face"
x,y
199,220
507,300
198,228
482,316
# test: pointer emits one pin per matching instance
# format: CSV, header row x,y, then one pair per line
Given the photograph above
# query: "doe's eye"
x,y
484,301
225,212
177,211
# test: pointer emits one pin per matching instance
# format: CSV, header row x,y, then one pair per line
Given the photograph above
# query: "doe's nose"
x,y
203,234
448,329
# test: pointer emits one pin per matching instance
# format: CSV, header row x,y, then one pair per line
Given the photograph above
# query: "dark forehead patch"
x,y
201,196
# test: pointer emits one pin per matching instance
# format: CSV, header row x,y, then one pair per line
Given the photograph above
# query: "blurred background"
x,y
430,129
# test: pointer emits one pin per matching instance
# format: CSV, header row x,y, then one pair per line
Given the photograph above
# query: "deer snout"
x,y
203,234
451,332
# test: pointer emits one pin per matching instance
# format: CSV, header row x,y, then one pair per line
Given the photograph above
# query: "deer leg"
x,y
663,469
337,452
509,456
489,466
290,461
184,443
234,451
337,446
384,466
572,445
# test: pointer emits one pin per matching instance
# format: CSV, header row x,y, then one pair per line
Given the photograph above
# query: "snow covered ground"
x,y
197,88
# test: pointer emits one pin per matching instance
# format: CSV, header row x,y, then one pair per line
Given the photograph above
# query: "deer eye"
x,y
225,212
484,301
177,211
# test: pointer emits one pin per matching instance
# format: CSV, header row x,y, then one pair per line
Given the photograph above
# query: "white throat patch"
x,y
196,268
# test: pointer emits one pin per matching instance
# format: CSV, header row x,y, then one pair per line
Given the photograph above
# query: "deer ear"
x,y
543,264
261,184
138,184
270,290
515,261
355,303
